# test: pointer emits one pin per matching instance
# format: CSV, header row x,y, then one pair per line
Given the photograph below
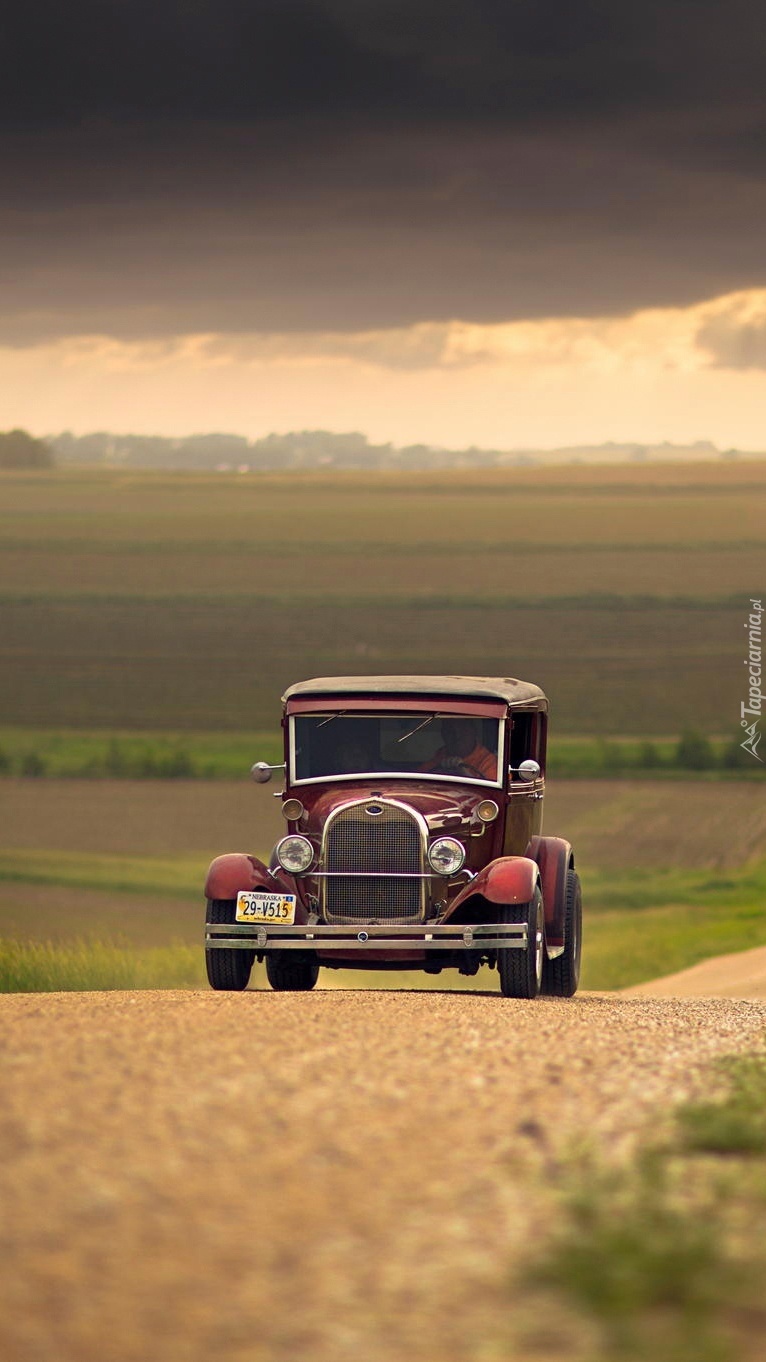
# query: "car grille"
x,y
386,843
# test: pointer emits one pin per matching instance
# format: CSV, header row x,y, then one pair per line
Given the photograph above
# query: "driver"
x,y
463,748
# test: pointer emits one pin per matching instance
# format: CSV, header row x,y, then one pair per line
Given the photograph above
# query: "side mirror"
x,y
261,772
529,769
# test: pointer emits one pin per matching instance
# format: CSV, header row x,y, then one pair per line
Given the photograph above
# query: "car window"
x,y
334,745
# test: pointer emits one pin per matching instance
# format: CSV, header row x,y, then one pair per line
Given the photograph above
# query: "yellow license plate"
x,y
258,906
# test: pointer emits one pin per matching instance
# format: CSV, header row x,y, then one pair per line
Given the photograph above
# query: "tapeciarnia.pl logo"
x,y
753,707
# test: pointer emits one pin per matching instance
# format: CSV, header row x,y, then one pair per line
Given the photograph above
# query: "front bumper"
x,y
490,936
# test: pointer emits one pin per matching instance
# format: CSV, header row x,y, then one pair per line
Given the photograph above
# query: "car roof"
x,y
505,688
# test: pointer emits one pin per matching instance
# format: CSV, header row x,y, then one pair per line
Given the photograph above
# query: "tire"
x,y
292,975
521,971
562,976
227,970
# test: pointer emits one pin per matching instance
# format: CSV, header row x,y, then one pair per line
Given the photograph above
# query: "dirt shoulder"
x,y
331,1175
741,975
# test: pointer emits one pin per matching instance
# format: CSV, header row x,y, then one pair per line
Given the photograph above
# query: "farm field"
x,y
670,877
187,602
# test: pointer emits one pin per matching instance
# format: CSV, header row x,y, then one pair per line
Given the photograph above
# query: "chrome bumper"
x,y
264,936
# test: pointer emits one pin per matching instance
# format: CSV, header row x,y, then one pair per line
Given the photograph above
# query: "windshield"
x,y
337,745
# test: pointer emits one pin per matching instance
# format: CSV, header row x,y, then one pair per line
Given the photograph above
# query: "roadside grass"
x,y
734,1123
663,1256
737,889
180,877
692,918
47,967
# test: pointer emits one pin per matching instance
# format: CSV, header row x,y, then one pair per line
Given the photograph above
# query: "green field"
x,y
185,602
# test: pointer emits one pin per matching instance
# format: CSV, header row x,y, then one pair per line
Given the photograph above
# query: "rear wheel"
x,y
227,969
561,976
521,971
291,975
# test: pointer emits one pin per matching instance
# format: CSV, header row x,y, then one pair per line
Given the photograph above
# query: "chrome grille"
x,y
387,843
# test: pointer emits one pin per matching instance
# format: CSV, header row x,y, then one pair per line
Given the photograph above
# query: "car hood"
x,y
428,798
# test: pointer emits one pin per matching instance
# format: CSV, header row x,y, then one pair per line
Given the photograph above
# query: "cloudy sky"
x,y
503,222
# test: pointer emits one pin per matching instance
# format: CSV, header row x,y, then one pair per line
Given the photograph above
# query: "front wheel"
x,y
562,975
521,971
292,975
227,970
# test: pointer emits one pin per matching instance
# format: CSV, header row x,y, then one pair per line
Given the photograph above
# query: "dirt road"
x,y
331,1176
742,975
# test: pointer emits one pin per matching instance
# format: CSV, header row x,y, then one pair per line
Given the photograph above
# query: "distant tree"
x,y
648,756
735,757
694,752
18,449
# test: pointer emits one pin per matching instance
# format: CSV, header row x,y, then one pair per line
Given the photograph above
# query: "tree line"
x,y
19,449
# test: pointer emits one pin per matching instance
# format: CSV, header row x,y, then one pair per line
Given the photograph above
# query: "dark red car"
x,y
414,810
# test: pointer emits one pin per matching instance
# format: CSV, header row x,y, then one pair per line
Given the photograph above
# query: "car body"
x,y
413,809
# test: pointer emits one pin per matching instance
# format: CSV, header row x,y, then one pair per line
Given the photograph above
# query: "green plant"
x,y
32,764
661,1256
632,1254
735,1123
649,756
734,757
694,752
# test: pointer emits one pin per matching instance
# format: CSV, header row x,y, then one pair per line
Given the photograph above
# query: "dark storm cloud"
x,y
423,59
367,163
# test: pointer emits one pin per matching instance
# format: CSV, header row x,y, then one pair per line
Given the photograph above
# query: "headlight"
x,y
487,811
295,854
446,856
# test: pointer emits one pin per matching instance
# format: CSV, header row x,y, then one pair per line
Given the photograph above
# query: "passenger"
x,y
463,749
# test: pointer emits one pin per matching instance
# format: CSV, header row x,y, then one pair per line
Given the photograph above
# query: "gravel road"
x,y
329,1176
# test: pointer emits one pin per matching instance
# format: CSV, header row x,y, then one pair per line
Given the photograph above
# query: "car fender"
x,y
509,879
554,857
236,871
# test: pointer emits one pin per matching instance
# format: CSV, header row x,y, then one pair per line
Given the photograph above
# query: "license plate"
x,y
258,906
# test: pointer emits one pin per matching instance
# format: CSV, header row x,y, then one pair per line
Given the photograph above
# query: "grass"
x,y
648,1269
658,924
179,877
735,1123
662,1256
45,967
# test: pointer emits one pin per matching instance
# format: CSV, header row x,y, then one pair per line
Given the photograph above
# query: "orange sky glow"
x,y
679,374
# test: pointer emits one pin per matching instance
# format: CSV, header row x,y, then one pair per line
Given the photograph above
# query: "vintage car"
x,y
413,809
